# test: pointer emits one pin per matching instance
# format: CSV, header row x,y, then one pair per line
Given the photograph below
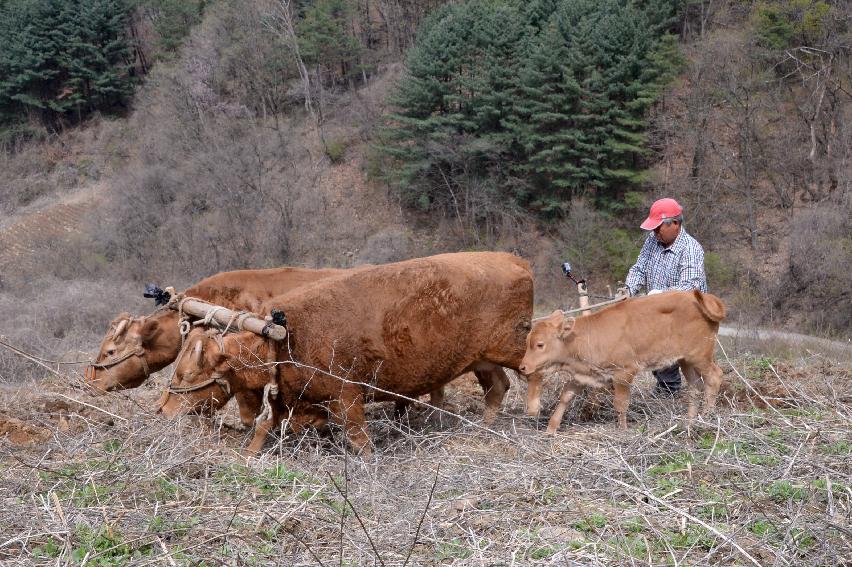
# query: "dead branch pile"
x,y
102,481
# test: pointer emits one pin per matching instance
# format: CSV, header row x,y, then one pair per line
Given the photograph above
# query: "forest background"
x,y
166,140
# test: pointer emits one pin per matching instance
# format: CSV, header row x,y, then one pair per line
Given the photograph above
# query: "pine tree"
x,y
325,38
61,59
547,98
545,122
456,97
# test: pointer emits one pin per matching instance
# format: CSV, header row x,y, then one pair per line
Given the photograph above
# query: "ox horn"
x,y
119,329
197,353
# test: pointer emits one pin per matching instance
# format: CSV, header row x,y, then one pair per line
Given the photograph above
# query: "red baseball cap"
x,y
661,210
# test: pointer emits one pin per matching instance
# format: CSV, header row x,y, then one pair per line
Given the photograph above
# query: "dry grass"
x,y
103,481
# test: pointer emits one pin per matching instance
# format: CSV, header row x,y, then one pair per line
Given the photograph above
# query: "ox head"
x,y
132,349
545,341
211,368
203,374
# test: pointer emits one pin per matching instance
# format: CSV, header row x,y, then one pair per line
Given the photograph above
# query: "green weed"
x,y
178,527
335,150
105,547
112,445
51,548
694,536
455,549
713,511
783,490
633,526
763,460
591,523
671,464
838,448
802,538
544,552
634,546
762,528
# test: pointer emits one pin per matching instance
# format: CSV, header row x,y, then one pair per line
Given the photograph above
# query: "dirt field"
x,y
101,480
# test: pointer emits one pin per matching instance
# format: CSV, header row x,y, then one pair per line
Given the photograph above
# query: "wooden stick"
x,y
224,317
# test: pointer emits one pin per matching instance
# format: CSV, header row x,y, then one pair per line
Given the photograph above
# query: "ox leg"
x,y
569,390
693,390
436,397
712,377
249,403
495,384
348,411
621,388
262,429
534,381
712,382
260,432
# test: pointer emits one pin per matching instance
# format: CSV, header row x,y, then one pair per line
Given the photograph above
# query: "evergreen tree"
x,y
325,38
545,123
456,97
549,95
62,58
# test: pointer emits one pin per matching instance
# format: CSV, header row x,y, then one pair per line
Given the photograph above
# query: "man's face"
x,y
667,232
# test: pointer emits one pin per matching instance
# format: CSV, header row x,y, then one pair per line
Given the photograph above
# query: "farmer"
x,y
670,259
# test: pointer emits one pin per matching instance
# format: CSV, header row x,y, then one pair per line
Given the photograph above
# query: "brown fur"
x,y
405,328
614,344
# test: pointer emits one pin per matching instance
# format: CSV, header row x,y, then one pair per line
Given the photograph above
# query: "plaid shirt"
x,y
680,266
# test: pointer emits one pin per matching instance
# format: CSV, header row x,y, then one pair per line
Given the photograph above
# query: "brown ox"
x,y
615,343
136,347
406,328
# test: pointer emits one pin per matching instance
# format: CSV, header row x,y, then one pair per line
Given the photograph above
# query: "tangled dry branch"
x,y
751,485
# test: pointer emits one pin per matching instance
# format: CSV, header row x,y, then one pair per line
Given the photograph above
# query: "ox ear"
x,y
556,317
150,331
222,362
566,327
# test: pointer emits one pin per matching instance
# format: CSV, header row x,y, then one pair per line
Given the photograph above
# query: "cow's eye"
x,y
539,345
110,352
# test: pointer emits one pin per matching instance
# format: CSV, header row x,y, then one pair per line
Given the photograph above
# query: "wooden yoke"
x,y
227,318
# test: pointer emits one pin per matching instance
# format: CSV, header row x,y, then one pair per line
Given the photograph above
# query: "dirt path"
x,y
770,335
31,233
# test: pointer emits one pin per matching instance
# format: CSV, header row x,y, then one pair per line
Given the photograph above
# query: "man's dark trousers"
x,y
668,379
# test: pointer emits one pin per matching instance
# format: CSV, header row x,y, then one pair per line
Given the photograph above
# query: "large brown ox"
x,y
614,344
136,347
406,328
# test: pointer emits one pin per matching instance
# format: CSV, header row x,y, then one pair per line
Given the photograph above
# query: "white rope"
x,y
270,389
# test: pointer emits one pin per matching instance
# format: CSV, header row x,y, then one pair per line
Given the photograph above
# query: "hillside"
x,y
219,164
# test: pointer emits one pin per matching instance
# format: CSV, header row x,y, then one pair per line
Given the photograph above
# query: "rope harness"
x,y
234,324
270,390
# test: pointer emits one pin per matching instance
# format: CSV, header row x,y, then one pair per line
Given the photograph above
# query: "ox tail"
x,y
710,306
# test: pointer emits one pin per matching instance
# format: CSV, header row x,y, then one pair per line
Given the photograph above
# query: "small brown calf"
x,y
614,344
